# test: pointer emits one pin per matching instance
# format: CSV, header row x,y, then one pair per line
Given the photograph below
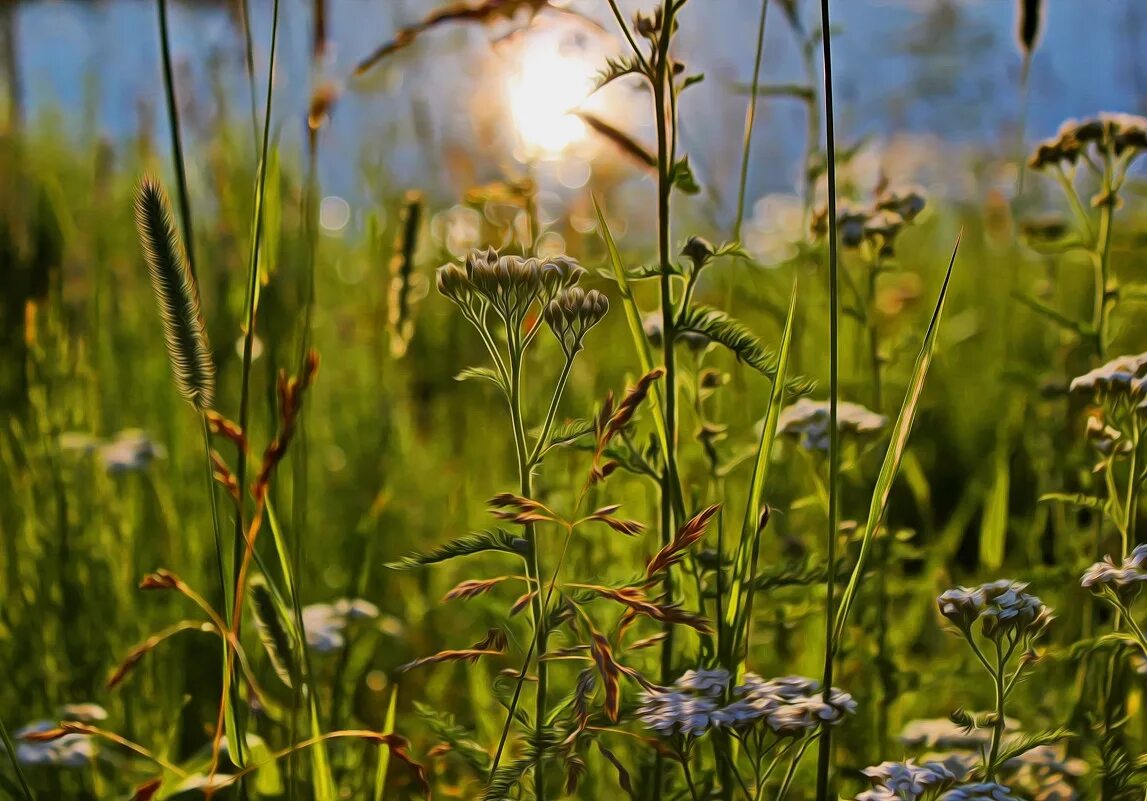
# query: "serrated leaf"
x,y
461,740
615,68
1077,499
478,542
1026,742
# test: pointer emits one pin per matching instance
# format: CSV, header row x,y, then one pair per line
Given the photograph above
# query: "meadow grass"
x,y
572,527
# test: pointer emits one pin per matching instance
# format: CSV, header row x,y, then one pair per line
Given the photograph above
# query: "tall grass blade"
x,y
741,589
824,747
750,118
895,452
384,751
633,320
177,294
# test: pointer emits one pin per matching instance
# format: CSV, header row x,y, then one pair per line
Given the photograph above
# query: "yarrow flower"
x,y
790,706
1003,607
906,781
325,623
1116,133
572,313
1125,375
808,421
984,791
1124,580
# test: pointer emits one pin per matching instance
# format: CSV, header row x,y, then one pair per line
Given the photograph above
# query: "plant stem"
x,y
750,118
533,571
1102,260
223,585
998,727
559,389
176,136
689,778
824,755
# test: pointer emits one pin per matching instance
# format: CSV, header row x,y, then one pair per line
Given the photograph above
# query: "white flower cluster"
x,y
790,706
130,449
325,623
68,751
1124,579
1125,375
984,791
906,781
1002,606
808,420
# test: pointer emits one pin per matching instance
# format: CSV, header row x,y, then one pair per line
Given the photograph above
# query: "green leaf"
x,y
274,633
570,432
268,777
460,739
894,454
480,373
681,176
478,542
741,590
692,80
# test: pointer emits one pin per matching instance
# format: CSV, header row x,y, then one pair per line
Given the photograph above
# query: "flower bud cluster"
x,y
571,314
1123,580
907,781
508,284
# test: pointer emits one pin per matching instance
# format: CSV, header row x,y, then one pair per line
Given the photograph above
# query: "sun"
x,y
546,84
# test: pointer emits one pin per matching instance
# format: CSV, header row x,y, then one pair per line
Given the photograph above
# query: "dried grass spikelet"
x,y
177,295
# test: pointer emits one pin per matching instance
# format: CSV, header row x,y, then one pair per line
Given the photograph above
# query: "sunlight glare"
x,y
545,86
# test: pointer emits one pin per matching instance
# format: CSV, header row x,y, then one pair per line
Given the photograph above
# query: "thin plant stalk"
x,y
249,328
750,119
824,754
176,135
10,748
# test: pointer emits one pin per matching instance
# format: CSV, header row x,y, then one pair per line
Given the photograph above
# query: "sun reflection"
x,y
548,82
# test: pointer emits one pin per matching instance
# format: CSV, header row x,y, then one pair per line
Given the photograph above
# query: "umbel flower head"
x,y
984,791
906,781
1002,607
791,706
572,313
808,420
1123,581
1125,376
1109,132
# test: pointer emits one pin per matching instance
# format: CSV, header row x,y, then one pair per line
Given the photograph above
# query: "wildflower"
x,y
1002,606
1118,376
985,791
670,712
808,420
131,449
572,313
1123,580
906,202
851,222
325,623
67,751
790,705
906,781
1106,439
942,733
706,682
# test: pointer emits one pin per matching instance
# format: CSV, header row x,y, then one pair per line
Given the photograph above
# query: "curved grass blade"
x,y
894,454
10,748
177,295
384,751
